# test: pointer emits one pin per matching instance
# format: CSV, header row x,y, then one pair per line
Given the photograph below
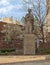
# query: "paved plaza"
x,y
46,62
25,60
13,59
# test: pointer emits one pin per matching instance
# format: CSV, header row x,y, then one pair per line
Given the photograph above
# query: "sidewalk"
x,y
11,59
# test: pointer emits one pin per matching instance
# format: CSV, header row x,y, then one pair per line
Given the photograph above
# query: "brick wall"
x,y
14,44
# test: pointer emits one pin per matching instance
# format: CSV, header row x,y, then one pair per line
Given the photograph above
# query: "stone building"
x,y
48,20
48,16
47,26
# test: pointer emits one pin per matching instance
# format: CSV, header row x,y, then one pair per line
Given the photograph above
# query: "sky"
x,y
12,8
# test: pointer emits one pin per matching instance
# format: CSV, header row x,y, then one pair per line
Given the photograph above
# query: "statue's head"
x,y
29,10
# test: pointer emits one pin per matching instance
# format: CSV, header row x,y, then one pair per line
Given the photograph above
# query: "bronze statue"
x,y
29,19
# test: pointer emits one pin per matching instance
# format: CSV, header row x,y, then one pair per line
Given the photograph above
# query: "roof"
x,y
1,25
11,21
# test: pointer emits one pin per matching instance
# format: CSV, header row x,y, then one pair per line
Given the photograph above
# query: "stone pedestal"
x,y
29,44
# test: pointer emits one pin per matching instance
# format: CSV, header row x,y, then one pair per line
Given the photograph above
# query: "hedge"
x,y
7,50
44,50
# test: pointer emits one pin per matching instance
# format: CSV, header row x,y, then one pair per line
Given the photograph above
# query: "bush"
x,y
44,50
7,50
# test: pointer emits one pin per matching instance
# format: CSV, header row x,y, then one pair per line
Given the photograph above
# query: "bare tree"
x,y
39,12
12,32
47,6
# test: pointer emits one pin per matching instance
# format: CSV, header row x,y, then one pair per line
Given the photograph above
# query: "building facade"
x,y
48,16
13,25
48,20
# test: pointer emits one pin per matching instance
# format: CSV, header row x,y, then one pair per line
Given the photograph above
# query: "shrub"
x,y
7,50
44,50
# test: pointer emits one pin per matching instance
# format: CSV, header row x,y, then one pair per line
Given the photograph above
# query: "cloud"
x,y
5,6
5,10
4,2
18,6
26,0
11,8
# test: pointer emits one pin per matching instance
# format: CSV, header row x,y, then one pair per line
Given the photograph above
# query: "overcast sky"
x,y
13,8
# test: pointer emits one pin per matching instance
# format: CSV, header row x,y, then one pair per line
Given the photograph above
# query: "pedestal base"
x,y
29,44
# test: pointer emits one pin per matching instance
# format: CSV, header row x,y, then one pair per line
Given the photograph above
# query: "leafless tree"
x,y
12,32
39,12
47,6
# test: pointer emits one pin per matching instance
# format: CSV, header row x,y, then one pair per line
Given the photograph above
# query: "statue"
x,y
29,22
